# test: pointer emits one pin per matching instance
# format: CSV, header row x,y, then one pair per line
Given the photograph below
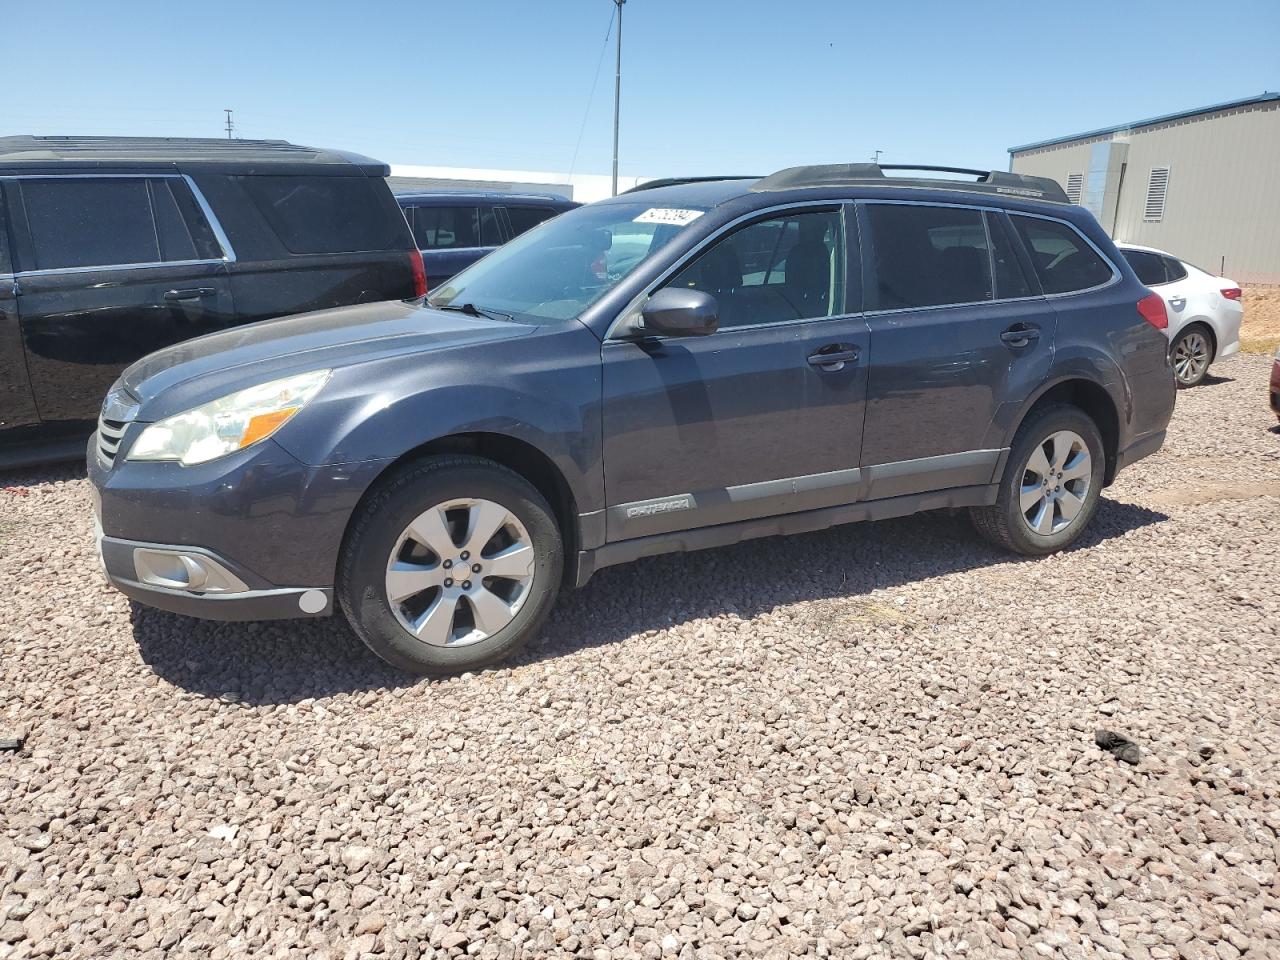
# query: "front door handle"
x,y
833,356
1019,335
191,293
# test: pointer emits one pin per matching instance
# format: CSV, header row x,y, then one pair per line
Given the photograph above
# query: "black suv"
x,y
671,369
454,230
111,248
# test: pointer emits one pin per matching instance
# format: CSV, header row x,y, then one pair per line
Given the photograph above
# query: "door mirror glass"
x,y
673,312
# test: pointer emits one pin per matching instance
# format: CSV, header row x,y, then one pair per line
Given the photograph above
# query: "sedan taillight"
x,y
1232,293
1152,309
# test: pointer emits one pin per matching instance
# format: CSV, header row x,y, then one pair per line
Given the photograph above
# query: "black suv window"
x,y
1064,260
927,256
1011,282
787,268
449,228
109,221
324,214
526,218
89,222
1150,267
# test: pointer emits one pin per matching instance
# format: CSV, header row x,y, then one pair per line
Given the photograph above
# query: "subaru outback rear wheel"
x,y
451,565
1051,484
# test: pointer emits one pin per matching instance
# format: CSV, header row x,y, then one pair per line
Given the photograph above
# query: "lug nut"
x,y
465,555
448,581
475,568
448,564
466,584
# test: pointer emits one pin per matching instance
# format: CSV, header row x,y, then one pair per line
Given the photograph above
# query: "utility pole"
x,y
876,158
617,96
230,125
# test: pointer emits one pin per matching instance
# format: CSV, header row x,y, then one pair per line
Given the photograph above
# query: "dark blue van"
x,y
454,230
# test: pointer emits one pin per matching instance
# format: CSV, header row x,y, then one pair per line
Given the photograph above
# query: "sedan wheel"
x,y
460,572
1191,355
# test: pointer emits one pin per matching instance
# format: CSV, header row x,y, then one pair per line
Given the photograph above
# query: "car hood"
x,y
214,365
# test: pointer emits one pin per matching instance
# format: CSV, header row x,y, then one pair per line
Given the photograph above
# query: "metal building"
x,y
1203,184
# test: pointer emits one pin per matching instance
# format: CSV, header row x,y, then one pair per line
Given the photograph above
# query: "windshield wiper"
x,y
471,310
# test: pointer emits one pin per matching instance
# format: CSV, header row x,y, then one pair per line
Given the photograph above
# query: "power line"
x,y
586,114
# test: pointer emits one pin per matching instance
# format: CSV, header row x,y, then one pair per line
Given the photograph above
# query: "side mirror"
x,y
673,312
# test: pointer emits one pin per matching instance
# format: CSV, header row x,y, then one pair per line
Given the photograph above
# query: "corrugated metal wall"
x,y
1223,199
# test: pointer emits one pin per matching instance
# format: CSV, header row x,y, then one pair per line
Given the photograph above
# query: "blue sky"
x,y
709,86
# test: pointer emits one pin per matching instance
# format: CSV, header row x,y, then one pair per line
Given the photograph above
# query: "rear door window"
x,y
1011,281
926,256
89,222
1149,267
312,214
446,228
526,218
1064,261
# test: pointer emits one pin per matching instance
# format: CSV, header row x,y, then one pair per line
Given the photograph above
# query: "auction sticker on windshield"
x,y
669,215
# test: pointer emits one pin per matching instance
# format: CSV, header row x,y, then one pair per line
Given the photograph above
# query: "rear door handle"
x,y
1019,335
833,356
191,293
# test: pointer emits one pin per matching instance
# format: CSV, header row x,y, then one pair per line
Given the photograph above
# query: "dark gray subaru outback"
x,y
675,368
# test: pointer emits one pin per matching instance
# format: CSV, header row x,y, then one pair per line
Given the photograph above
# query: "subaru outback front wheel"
x,y
452,564
1051,484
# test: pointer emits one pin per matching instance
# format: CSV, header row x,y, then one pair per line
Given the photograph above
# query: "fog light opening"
x,y
182,570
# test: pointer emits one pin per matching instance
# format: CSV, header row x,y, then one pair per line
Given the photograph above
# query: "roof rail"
x,y
846,174
676,181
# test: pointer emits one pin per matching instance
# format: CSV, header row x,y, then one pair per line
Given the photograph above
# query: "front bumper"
x,y
251,536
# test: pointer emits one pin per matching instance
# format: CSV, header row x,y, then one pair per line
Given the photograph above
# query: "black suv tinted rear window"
x,y
1063,259
325,214
927,256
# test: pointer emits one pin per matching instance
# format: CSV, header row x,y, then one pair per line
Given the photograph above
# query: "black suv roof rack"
x,y
676,181
846,174
95,150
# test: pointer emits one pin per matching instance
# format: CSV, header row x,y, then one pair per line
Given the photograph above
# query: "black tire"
x,y
384,516
1198,373
1003,523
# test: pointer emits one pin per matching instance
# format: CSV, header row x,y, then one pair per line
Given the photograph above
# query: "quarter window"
x,y
787,268
927,256
1063,259
325,214
1149,267
1174,269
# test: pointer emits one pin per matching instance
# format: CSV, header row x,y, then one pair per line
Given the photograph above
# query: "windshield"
x,y
558,269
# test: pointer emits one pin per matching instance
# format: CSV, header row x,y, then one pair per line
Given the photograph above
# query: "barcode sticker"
x,y
669,215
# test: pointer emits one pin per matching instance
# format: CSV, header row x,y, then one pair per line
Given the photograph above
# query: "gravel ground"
x,y
874,741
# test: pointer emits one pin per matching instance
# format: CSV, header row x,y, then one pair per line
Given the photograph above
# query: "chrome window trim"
x,y
219,235
762,212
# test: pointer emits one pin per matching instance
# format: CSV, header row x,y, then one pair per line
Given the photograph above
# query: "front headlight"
x,y
229,423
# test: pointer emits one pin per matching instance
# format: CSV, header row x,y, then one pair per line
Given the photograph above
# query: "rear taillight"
x,y
1152,309
1232,293
419,274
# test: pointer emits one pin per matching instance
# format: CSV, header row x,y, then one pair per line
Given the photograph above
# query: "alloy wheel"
x,y
1191,357
460,572
1055,483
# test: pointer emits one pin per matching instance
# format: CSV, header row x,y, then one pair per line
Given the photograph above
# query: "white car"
x,y
1204,311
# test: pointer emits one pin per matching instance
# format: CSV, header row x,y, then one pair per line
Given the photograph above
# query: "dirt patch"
x,y
1260,332
1199,493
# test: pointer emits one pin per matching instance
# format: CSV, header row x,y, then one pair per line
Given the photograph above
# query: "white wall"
x,y
583,187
